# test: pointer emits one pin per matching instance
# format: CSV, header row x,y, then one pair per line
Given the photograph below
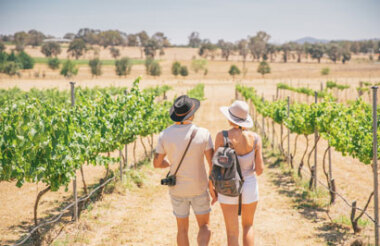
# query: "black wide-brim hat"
x,y
183,108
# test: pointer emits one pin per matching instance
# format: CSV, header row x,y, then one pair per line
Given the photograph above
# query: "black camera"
x,y
169,180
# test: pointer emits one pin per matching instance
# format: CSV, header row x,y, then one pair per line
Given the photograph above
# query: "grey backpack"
x,y
226,174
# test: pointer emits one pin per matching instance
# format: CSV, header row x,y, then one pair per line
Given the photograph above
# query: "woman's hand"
x,y
213,195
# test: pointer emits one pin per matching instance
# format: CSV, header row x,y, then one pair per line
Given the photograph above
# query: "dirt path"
x,y
144,216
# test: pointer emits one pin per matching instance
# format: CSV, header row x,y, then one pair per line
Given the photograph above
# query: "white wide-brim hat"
x,y
237,113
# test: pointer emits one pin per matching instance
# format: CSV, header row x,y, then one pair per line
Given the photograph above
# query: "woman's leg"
x,y
230,213
247,218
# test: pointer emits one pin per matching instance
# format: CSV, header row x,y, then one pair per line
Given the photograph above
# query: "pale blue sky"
x,y
284,20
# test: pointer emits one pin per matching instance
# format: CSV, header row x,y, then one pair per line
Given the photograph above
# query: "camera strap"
x,y
187,148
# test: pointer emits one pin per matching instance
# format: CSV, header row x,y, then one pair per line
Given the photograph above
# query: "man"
x,y
191,179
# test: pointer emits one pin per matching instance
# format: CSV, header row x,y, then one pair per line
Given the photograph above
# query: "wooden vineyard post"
x,y
121,165
125,146
288,154
315,149
263,125
332,181
75,216
277,93
375,174
273,144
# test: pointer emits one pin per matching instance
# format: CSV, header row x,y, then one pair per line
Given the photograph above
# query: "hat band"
x,y
186,112
229,111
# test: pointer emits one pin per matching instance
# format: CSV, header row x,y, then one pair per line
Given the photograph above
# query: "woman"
x,y
247,145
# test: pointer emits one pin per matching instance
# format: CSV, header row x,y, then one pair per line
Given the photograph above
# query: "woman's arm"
x,y
219,140
259,163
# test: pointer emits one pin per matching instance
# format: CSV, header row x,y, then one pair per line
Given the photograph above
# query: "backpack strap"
x,y
225,139
240,202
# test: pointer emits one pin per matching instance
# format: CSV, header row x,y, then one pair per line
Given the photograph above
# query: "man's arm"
x,y
159,161
209,154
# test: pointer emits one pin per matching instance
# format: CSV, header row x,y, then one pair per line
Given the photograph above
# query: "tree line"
x,y
256,47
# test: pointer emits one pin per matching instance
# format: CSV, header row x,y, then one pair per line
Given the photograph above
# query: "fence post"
x,y
125,146
263,125
332,181
121,165
72,85
315,149
273,144
288,155
277,90
375,174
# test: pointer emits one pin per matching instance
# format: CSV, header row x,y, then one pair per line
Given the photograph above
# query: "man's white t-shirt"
x,y
192,178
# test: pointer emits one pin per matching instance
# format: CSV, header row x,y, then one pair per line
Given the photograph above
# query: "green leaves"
x,y
347,128
44,139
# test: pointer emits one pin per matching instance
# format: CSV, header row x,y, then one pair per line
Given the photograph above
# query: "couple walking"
x,y
185,146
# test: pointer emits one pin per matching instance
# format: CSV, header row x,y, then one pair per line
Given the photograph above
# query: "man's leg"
x,y
204,233
183,229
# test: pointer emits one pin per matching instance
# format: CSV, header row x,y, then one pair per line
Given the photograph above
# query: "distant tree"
x,y
346,56
334,53
148,63
243,47
20,40
207,49
151,47
234,70
162,40
77,48
12,57
110,38
299,49
69,35
183,71
35,38
176,68
53,63
157,42
271,50
133,40
198,65
2,47
89,36
50,49
286,48
115,52
194,40
153,68
325,71
96,67
143,40
257,44
227,48
123,67
11,68
316,52
26,61
69,69
263,68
